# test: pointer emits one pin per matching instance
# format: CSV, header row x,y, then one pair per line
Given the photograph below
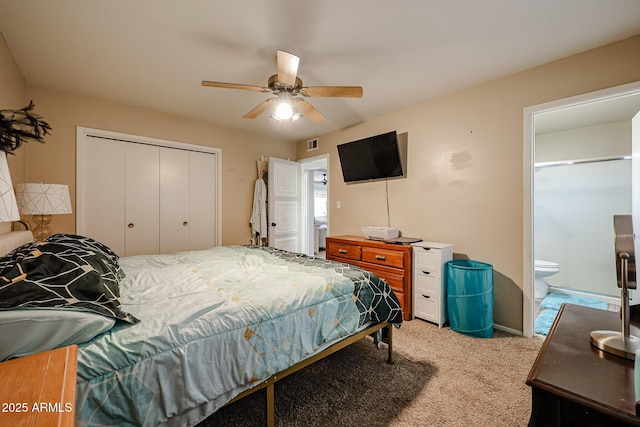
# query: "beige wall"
x,y
12,97
12,84
465,174
55,161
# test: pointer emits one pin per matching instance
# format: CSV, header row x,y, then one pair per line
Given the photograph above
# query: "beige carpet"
x,y
440,378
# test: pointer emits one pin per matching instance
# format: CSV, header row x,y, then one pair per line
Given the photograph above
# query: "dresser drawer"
x,y
427,309
343,250
427,283
383,257
429,258
395,281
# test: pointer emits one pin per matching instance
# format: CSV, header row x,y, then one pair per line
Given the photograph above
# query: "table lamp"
x,y
41,201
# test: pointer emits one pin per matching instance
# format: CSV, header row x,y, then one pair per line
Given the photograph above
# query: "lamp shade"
x,y
8,207
43,199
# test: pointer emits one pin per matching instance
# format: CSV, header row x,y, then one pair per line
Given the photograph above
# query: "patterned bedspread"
x,y
213,324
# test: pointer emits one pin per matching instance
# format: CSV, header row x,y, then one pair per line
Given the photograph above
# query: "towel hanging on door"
x,y
258,220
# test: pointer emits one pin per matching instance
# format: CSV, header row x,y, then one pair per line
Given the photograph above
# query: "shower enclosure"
x,y
574,204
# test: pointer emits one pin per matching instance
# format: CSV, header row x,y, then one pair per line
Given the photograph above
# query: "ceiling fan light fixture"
x,y
289,91
284,111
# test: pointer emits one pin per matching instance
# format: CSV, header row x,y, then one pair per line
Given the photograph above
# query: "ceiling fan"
x,y
290,93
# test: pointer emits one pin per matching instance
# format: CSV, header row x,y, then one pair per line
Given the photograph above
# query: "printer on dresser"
x,y
429,281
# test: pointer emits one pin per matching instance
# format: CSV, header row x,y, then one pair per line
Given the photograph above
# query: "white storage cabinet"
x,y
429,281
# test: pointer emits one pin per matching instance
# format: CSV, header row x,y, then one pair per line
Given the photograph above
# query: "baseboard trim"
x,y
505,329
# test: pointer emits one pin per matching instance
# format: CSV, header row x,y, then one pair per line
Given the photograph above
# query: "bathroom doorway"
x,y
315,204
562,153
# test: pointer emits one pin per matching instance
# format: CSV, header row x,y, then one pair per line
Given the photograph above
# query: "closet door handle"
x,y
130,225
185,223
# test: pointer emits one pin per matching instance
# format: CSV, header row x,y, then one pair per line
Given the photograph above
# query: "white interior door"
x,y
285,204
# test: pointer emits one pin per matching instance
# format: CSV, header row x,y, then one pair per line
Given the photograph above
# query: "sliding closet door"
x,y
142,195
120,195
174,200
202,199
187,200
146,196
101,197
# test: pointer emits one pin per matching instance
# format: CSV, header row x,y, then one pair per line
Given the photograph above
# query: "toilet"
x,y
543,269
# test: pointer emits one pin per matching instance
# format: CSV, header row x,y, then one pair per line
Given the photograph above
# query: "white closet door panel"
x,y
125,182
202,203
174,200
142,199
103,201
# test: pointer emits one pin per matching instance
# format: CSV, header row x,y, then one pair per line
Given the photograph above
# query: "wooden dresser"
x,y
575,384
388,261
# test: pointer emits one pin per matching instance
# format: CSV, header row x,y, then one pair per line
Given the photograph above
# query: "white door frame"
x,y
528,301
307,212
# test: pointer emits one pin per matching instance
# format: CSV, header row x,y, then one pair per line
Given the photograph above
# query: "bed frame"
x,y
269,383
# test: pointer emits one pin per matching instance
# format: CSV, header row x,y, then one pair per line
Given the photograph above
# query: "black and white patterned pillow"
x,y
63,271
89,243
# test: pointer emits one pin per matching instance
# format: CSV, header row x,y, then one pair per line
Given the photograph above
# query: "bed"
x,y
177,336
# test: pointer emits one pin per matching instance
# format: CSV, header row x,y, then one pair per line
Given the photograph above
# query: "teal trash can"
x,y
470,297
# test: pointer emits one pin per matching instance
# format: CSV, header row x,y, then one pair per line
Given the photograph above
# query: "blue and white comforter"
x,y
214,323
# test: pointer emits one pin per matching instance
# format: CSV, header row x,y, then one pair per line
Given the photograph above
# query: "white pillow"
x,y
28,331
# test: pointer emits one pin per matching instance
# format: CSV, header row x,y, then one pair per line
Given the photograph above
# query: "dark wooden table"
x,y
575,384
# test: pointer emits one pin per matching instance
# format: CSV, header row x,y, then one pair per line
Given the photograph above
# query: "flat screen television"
x,y
375,157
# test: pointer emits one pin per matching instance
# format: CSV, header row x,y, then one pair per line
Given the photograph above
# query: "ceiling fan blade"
x,y
234,86
309,111
261,108
334,91
287,67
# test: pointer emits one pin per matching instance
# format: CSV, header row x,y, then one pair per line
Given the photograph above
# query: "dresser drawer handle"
x,y
426,248
426,272
426,296
342,251
381,257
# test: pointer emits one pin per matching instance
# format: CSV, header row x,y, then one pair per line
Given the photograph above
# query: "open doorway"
x,y
315,201
563,116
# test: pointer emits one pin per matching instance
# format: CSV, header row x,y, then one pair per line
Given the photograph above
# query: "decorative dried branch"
x,y
18,126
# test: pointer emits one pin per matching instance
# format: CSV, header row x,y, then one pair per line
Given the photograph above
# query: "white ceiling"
x,y
595,113
155,53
